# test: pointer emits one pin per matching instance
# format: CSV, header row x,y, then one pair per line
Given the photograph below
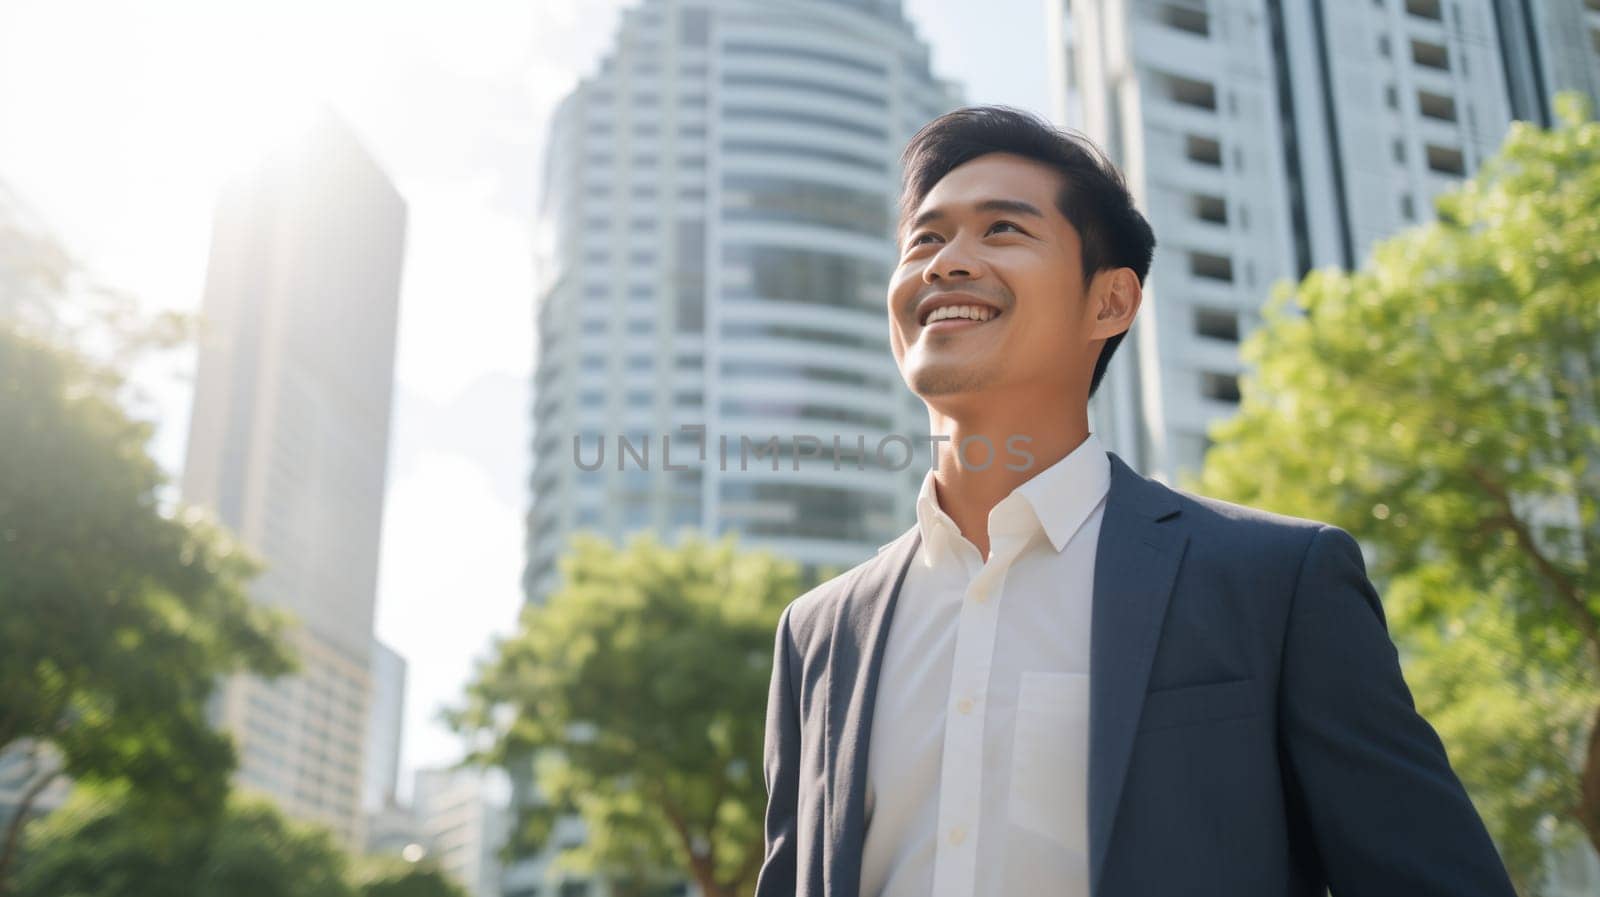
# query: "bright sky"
x,y
118,122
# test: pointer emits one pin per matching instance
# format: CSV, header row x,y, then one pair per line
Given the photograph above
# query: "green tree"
x,y
105,842
1441,404
639,687
116,618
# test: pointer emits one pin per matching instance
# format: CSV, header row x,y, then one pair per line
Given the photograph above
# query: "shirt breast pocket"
x,y
1050,758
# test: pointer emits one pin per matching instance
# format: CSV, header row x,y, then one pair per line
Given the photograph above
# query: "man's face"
x,y
988,245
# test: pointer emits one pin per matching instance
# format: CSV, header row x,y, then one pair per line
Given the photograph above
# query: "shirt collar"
x,y
1061,496
1064,494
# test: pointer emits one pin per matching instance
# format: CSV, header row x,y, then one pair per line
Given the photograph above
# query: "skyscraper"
x,y
720,199
462,819
382,772
1265,138
719,202
288,446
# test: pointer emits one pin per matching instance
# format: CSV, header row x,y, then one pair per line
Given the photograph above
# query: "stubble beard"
x,y
945,379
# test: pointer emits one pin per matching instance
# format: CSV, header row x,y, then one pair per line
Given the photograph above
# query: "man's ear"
x,y
1115,296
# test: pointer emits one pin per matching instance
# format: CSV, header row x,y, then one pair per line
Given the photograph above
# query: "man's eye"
x,y
919,239
999,224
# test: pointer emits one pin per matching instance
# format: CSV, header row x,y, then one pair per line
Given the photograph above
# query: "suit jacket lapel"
x,y
855,657
1136,564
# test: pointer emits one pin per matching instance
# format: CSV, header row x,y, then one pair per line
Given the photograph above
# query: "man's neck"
x,y
1006,439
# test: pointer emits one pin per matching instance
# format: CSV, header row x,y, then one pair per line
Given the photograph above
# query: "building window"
x,y
1186,17
1220,387
1213,209
1391,96
694,27
791,117
770,148
1432,10
1211,266
769,198
1383,46
1216,323
1445,160
1399,150
1408,208
1192,92
765,51
1436,106
1203,150
1430,55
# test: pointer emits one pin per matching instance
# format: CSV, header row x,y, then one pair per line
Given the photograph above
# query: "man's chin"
x,y
946,381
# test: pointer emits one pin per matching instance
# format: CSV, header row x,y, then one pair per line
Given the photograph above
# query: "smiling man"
x,y
1067,679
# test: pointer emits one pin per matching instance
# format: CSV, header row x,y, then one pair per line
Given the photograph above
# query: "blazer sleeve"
x,y
781,770
1373,783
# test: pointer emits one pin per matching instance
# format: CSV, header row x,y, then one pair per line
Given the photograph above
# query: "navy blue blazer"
x,y
1249,729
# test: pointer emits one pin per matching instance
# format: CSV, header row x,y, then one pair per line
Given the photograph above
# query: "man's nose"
x,y
953,261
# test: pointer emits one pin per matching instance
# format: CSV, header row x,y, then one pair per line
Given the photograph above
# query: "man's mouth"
x,y
956,317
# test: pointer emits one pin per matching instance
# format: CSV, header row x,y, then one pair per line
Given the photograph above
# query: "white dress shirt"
x,y
977,768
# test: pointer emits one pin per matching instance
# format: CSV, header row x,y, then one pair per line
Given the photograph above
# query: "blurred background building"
x,y
462,820
1265,138
718,203
719,197
288,446
381,774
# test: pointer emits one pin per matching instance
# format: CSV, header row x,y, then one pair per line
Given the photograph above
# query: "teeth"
x,y
971,312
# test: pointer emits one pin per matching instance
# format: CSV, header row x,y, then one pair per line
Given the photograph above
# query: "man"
x,y
1067,679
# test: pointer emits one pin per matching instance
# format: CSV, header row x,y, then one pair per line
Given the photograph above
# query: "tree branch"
x,y
704,872
1568,590
13,834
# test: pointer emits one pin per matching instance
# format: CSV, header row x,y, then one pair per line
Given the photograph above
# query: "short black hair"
x,y
1094,198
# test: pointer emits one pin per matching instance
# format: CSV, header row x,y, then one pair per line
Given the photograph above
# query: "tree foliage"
x,y
116,618
1442,404
640,688
105,842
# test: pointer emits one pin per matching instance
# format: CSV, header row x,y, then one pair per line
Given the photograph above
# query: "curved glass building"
x,y
718,209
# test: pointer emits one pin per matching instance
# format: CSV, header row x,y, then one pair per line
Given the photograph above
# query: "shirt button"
x,y
957,835
964,705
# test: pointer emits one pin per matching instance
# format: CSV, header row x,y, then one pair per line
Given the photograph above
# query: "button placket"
x,y
955,861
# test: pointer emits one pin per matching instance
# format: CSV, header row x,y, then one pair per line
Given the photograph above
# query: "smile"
x,y
956,317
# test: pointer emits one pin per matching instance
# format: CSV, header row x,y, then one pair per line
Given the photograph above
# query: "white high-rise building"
x,y
288,447
719,199
384,728
719,206
462,820
1265,138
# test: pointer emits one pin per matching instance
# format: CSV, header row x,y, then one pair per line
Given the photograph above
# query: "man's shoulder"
x,y
1242,520
1231,535
1209,518
817,607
